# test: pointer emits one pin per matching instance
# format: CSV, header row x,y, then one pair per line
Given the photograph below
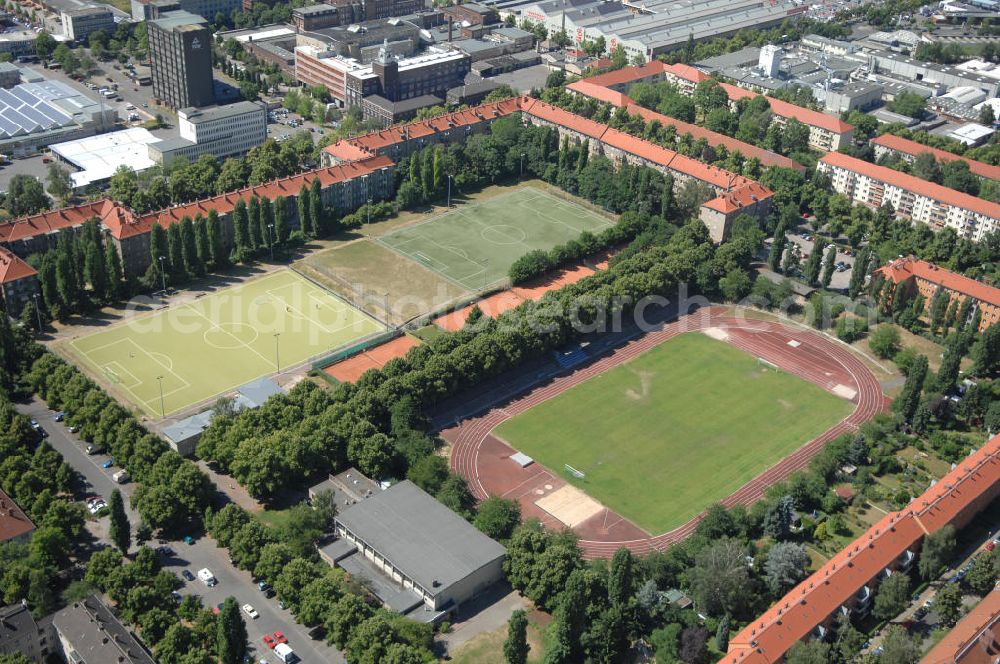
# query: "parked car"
x,y
108,463
59,417
280,638
187,575
269,641
73,428
250,611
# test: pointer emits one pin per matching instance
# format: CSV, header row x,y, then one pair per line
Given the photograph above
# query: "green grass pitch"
x,y
220,341
662,437
475,245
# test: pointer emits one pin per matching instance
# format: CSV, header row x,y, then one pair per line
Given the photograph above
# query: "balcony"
x,y
905,561
819,632
863,596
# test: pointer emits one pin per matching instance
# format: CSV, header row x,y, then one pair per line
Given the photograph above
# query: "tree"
x,y
515,648
778,520
908,400
719,580
45,45
60,184
948,603
892,596
777,247
898,647
982,576
317,214
987,116
925,167
231,634
786,565
241,227
694,645
305,221
497,517
722,634
621,579
828,266
280,219
810,273
813,651
25,195
119,529
937,550
947,374
908,103
884,341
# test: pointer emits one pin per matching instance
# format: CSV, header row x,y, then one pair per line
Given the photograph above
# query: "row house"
x,y
18,282
889,144
848,581
928,280
922,201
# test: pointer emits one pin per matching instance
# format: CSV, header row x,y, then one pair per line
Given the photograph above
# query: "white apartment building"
x,y
221,131
924,202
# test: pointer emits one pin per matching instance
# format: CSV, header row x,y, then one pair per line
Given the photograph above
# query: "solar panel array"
x,y
26,109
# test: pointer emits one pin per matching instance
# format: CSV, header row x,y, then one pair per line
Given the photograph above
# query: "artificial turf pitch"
x,y
682,426
220,341
474,245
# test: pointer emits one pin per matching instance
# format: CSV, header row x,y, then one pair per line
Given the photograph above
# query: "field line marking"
x,y
121,367
156,361
99,348
241,343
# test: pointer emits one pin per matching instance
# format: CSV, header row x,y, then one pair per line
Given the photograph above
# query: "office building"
x,y
79,23
87,631
927,279
922,201
21,634
846,584
180,50
146,10
221,131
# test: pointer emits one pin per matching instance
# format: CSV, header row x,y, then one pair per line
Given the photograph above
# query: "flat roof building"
x,y
79,23
180,50
221,131
424,547
98,157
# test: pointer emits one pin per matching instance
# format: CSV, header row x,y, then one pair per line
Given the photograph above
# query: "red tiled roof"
x,y
906,146
588,88
902,269
49,222
782,108
13,268
627,74
687,72
737,199
224,203
975,639
367,144
766,157
766,639
914,184
13,521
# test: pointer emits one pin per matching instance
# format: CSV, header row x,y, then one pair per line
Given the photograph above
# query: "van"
x,y
121,477
285,653
207,577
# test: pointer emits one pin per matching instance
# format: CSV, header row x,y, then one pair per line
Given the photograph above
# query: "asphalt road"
x,y
203,553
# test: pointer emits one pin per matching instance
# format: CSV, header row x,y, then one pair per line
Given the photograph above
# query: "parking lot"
x,y
804,240
199,554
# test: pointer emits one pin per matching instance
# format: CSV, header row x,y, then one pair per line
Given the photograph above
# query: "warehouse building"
x,y
423,558
36,114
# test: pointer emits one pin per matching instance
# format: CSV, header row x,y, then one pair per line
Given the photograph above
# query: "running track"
x,y
816,359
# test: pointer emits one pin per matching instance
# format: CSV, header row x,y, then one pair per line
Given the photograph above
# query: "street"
x,y
202,553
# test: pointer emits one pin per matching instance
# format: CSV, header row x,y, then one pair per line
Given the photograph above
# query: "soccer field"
x,y
675,430
474,245
220,341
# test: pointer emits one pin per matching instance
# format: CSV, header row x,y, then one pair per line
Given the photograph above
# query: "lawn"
x,y
474,245
364,272
197,350
678,428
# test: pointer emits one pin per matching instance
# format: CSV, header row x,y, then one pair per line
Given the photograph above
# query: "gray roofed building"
x,y
89,632
21,633
349,487
421,545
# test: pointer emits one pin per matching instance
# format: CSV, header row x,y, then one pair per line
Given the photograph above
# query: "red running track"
x,y
482,459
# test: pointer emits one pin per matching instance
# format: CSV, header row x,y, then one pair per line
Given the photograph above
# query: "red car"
x,y
280,638
269,641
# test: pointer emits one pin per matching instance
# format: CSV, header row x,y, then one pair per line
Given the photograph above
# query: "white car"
x,y
96,506
250,611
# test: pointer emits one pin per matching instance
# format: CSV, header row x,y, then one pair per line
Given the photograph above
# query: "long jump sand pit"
x,y
570,505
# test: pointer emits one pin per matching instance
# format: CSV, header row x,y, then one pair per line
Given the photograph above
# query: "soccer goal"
x,y
578,474
769,366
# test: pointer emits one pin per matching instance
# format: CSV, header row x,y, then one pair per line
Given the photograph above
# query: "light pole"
x,y
486,268
385,296
270,239
449,191
277,361
163,411
163,274
368,223
522,164
38,310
